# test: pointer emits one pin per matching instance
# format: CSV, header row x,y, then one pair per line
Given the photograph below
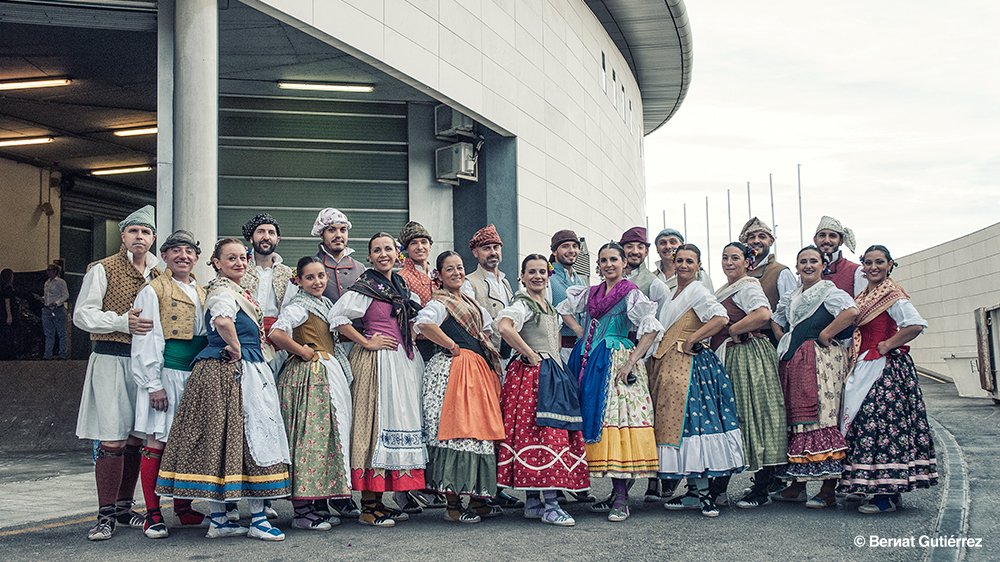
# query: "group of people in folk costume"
x,y
412,377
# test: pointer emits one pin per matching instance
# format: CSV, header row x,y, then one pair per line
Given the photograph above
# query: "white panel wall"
x,y
947,283
529,68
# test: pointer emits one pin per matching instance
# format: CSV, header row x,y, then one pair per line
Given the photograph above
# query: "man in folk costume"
x,y
161,366
668,240
417,270
488,286
269,280
845,274
776,279
636,249
342,270
565,248
107,407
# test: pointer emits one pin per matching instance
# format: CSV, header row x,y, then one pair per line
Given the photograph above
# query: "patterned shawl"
x,y
466,312
395,292
872,303
319,306
244,299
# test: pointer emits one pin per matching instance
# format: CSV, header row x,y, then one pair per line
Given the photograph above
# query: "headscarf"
x,y
484,237
327,217
145,216
562,236
412,231
393,291
634,234
252,224
181,238
830,223
754,225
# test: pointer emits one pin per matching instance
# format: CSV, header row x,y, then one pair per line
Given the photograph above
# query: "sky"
x,y
891,108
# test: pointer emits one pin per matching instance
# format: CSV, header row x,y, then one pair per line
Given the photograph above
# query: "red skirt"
x,y
382,480
532,457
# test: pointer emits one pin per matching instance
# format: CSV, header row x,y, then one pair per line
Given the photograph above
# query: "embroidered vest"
x,y
768,276
735,315
842,274
176,309
643,279
124,282
279,281
315,333
543,336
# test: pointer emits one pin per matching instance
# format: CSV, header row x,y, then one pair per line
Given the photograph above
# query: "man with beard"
x,y
269,281
107,407
775,279
565,247
342,270
636,249
666,242
846,275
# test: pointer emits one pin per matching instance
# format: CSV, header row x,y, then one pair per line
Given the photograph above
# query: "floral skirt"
x,y
532,457
890,448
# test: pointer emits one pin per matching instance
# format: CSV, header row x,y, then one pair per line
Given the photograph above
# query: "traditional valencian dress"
x,y
462,419
697,432
889,444
752,366
228,441
812,380
315,402
617,416
543,448
387,450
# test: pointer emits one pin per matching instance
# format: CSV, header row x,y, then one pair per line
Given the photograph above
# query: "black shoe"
x,y
346,508
502,499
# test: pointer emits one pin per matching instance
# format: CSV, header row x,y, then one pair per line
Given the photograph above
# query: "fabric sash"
x,y
802,305
395,292
467,314
872,303
178,354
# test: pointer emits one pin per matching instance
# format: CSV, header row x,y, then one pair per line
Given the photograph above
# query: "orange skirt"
x,y
471,408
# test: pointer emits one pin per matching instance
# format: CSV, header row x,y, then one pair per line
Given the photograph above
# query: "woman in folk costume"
x,y
315,393
812,368
462,419
614,397
387,449
889,444
228,441
752,366
697,433
543,450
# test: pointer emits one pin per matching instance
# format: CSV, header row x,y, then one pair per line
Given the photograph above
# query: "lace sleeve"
x,y
642,313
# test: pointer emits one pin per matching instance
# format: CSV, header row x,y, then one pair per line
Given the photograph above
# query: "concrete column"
x,y
196,124
165,118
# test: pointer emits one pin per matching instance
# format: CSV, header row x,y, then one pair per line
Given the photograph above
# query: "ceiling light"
x,y
23,142
326,87
39,83
113,171
135,132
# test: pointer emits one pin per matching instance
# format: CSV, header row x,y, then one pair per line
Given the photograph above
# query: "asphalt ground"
x,y
47,504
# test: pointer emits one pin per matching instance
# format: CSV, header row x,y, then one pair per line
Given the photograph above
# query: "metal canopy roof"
x,y
654,36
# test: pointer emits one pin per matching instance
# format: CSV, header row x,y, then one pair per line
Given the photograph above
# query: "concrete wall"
x,y
528,68
946,283
32,238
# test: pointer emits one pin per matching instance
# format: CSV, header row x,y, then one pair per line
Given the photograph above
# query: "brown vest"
x,y
124,282
176,309
315,333
279,281
768,276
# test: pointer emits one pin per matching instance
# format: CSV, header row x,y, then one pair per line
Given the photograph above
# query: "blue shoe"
x,y
261,529
881,503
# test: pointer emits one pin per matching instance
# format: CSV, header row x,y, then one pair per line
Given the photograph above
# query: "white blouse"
x,y
434,312
640,310
835,303
353,305
751,297
519,313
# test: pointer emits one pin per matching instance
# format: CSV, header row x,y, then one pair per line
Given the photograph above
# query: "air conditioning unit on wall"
x,y
455,162
449,122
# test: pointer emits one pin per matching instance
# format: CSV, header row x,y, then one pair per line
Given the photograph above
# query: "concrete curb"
x,y
952,519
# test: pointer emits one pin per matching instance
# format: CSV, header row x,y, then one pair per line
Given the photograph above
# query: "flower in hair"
x,y
551,269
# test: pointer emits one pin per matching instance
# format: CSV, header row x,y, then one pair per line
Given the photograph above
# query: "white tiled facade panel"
x,y
528,68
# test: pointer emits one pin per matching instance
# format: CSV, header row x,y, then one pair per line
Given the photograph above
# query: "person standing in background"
x,y
54,311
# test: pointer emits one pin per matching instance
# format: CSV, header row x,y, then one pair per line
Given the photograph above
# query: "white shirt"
x,y
89,314
265,296
860,283
147,349
56,292
495,283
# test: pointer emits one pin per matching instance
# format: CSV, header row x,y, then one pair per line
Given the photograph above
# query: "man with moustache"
x,y
565,247
342,270
846,275
776,279
666,242
107,407
487,285
269,281
161,366
636,249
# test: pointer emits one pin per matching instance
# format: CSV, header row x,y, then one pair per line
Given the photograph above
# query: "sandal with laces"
x,y
753,500
825,498
619,509
345,508
533,508
375,514
601,507
708,507
689,500
484,509
222,527
261,529
155,527
881,503
105,524
555,515
306,517
461,516
125,515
